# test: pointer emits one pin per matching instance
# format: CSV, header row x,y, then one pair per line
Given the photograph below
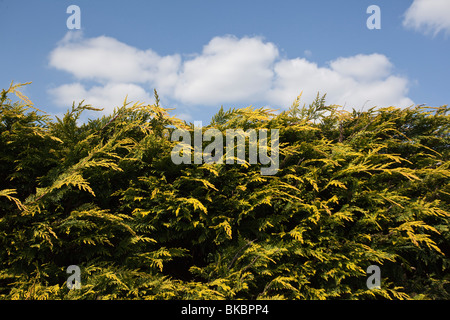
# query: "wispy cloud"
x,y
228,70
428,16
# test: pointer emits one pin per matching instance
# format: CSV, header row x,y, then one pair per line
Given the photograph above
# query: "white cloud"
x,y
353,82
363,67
296,75
428,16
228,71
107,96
105,59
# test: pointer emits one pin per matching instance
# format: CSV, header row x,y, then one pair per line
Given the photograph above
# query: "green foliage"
x,y
353,189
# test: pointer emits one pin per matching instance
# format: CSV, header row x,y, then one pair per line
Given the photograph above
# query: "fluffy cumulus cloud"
x,y
428,16
105,59
363,68
356,82
107,96
228,70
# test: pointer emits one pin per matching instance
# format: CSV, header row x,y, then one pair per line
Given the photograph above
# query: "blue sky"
x,y
202,54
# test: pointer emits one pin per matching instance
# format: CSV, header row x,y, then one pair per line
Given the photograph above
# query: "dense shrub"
x,y
353,190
